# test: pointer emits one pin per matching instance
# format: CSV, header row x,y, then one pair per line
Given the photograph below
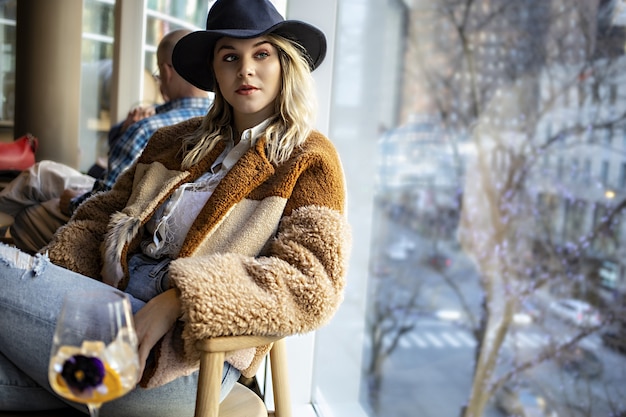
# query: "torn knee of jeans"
x,y
15,258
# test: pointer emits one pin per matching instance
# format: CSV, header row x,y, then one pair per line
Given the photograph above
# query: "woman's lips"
x,y
246,89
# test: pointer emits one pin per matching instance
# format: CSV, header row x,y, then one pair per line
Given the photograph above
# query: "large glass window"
x,y
96,75
161,17
7,61
486,278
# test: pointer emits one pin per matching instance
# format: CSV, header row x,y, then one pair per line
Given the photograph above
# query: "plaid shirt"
x,y
127,148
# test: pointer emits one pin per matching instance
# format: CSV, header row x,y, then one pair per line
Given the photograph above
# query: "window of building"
x,y
612,93
575,169
587,171
604,172
608,136
582,92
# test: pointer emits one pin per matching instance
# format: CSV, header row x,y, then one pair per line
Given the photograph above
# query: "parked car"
x,y
614,339
522,318
400,249
528,313
580,361
397,252
577,312
521,400
532,309
438,261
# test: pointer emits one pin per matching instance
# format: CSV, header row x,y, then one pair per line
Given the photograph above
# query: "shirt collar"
x,y
253,134
232,153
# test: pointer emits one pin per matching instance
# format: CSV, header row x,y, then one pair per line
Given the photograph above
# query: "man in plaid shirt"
x,y
129,145
42,198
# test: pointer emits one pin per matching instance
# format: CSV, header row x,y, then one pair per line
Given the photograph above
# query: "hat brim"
x,y
190,57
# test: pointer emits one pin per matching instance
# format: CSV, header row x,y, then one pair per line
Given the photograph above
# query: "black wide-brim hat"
x,y
243,19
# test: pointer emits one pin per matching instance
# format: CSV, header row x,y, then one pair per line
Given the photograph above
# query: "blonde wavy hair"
x,y
291,124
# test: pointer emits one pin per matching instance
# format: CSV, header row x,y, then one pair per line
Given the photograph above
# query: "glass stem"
x,y
94,409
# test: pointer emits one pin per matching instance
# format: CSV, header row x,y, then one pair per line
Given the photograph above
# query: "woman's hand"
x,y
154,320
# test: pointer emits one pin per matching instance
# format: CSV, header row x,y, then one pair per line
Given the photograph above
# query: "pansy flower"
x,y
83,374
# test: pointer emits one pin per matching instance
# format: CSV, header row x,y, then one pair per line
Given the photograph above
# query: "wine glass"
x,y
94,355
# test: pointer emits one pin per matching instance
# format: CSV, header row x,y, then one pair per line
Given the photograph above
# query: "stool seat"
x,y
5,220
242,401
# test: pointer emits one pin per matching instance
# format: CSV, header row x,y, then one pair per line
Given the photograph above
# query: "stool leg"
x,y
209,384
280,379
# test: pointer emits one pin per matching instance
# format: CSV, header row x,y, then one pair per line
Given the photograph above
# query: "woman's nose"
x,y
246,68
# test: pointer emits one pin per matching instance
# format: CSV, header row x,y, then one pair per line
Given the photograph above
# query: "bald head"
x,y
173,86
166,46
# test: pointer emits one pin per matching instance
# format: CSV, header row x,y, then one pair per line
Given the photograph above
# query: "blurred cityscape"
x,y
497,271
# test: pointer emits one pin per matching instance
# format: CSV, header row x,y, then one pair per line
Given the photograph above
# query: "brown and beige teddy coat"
x,y
267,254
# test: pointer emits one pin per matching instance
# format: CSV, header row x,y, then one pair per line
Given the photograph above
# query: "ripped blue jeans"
x,y
32,290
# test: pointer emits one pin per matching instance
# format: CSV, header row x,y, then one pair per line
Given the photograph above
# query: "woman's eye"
x,y
263,54
229,58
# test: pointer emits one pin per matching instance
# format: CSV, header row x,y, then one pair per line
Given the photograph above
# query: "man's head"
x,y
172,85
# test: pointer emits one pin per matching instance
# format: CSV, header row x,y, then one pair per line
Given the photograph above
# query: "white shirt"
x,y
170,223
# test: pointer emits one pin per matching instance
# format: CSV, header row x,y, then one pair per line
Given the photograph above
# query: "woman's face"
x,y
248,74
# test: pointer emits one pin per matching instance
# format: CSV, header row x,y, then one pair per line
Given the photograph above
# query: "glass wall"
x,y
7,61
96,77
97,51
484,146
163,16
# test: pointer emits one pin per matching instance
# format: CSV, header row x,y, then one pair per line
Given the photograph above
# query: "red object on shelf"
x,y
19,154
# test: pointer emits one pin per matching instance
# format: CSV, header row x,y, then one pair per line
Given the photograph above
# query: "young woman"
x,y
228,224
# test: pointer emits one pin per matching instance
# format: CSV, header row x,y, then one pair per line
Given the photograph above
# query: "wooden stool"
x,y
5,222
241,402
